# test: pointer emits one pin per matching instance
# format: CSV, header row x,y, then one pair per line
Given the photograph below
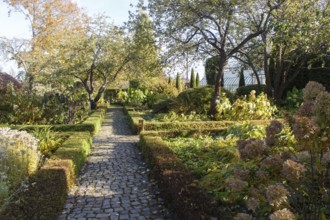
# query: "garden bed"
x,y
49,186
226,174
141,120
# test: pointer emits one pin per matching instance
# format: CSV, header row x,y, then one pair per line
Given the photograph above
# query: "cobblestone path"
x,y
114,181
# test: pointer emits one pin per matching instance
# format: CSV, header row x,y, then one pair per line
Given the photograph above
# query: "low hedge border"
x,y
92,124
135,119
49,186
176,183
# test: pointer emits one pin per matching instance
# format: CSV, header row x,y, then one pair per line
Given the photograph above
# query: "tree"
x,y
145,53
211,69
219,28
300,37
178,82
197,81
50,20
95,58
192,79
241,78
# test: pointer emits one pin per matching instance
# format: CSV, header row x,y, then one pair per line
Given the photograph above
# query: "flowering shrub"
x,y
249,108
19,157
133,96
174,117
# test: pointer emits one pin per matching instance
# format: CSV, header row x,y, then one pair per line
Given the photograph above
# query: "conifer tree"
x,y
192,79
197,81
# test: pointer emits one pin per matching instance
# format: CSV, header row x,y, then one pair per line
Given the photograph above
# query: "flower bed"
x,y
272,174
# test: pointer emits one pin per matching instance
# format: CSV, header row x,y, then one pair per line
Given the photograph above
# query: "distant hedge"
x,y
245,90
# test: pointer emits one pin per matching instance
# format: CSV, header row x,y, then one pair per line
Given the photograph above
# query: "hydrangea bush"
x,y
288,182
19,158
248,108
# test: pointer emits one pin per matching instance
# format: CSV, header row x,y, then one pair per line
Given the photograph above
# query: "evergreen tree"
x,y
169,80
178,82
197,81
192,79
241,78
146,61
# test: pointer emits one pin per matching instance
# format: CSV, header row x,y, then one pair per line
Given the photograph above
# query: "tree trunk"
x,y
266,67
217,87
93,105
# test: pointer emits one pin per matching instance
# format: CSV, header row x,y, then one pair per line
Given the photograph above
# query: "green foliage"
x,y
173,117
134,84
51,108
251,108
76,149
211,67
198,81
133,97
241,79
246,90
174,179
192,79
193,100
294,98
178,82
246,130
48,141
145,53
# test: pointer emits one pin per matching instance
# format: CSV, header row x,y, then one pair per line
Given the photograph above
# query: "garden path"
x,y
114,181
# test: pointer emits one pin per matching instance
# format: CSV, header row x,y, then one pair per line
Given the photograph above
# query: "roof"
x,y
6,79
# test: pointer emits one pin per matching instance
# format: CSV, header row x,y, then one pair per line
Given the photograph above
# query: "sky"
x,y
16,26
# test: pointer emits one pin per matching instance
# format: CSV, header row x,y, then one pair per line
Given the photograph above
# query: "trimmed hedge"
x,y
76,149
246,90
135,117
92,124
47,197
176,182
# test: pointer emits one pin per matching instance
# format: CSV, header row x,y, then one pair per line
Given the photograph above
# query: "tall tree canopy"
x,y
213,27
50,21
95,58
145,53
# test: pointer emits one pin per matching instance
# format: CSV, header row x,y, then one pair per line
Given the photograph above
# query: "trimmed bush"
x,y
92,124
246,90
46,197
49,186
76,148
176,182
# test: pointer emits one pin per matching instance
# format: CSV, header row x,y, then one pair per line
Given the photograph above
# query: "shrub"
x,y
19,158
294,98
247,108
48,141
197,100
246,90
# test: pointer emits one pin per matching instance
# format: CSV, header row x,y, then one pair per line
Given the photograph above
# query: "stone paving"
x,y
114,181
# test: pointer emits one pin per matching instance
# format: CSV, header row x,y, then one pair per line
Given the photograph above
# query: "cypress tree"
x,y
178,82
169,80
241,78
192,79
197,80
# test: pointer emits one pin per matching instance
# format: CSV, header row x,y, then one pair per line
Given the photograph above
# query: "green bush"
x,y
48,141
75,148
247,108
246,90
